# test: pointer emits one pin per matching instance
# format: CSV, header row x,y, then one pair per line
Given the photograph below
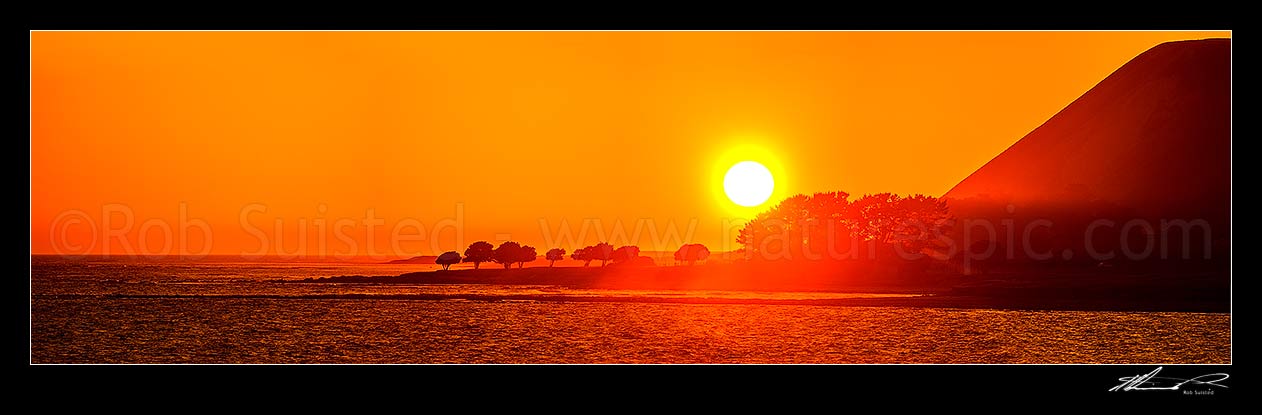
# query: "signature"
x,y
1151,381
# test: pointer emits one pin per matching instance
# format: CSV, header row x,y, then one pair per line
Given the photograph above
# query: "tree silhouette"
x,y
582,255
873,217
554,255
625,254
920,221
602,252
691,253
806,227
526,254
447,259
507,254
479,252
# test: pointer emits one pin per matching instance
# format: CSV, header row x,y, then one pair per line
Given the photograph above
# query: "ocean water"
x,y
89,311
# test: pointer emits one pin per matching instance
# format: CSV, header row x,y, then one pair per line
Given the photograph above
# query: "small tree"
x,y
447,259
479,252
625,254
554,255
527,254
507,254
602,252
582,255
691,253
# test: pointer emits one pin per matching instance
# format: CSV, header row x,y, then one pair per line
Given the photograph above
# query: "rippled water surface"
x,y
78,317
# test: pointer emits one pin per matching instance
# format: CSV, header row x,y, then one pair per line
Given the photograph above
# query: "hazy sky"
x,y
143,141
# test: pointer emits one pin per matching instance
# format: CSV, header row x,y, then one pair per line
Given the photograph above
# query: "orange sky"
x,y
501,134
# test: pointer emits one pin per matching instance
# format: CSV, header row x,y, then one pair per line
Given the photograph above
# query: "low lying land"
x,y
1033,290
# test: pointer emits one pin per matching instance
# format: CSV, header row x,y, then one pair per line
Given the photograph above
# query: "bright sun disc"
x,y
748,183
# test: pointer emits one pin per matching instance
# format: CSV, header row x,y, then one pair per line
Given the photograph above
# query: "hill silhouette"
x,y
1153,138
1151,143
423,259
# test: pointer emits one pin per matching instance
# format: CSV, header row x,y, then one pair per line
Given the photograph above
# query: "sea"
x,y
112,310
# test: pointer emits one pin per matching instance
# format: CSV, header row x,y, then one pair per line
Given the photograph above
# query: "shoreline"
x,y
1024,291
935,301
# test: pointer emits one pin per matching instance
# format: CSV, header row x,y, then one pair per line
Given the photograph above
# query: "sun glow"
x,y
748,183
746,176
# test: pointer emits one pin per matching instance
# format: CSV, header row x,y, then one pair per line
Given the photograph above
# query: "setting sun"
x,y
748,183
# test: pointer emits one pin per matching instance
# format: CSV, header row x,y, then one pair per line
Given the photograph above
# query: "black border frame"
x,y
778,385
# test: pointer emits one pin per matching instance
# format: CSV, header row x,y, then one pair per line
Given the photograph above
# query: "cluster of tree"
x,y
830,226
509,253
604,252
